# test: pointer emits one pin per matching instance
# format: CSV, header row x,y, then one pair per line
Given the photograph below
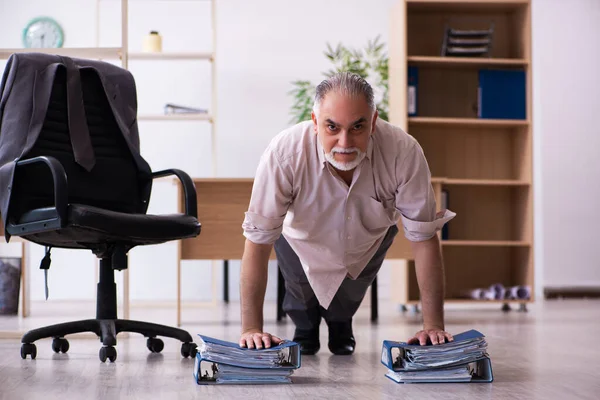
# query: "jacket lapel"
x,y
42,88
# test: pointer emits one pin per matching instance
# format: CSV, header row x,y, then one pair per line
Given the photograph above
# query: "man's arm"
x,y
253,284
430,276
415,199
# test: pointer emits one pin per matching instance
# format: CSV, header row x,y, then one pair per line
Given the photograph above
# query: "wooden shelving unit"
x,y
484,166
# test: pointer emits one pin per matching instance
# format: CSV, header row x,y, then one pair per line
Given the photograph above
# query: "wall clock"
x,y
43,32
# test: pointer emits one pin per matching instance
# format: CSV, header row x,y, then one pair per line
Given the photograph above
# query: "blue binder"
x,y
502,94
413,91
232,364
479,367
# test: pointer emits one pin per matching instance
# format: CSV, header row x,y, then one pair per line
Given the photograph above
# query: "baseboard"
x,y
572,292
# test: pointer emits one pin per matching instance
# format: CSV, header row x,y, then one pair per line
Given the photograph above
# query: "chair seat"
x,y
88,225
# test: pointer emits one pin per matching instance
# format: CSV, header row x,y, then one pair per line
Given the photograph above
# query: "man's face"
x,y
344,126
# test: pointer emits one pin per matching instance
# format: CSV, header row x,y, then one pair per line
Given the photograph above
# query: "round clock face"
x,y
43,32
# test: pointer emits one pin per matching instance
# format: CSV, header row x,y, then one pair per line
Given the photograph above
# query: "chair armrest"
x,y
59,178
189,189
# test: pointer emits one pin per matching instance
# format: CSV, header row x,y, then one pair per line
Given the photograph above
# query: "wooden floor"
x,y
550,352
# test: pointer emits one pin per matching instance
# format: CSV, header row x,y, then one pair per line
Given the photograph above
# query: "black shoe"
x,y
308,341
341,339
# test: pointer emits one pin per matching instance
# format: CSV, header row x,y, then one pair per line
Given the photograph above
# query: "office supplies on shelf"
x,y
152,43
467,42
497,291
502,94
222,362
463,360
171,108
413,93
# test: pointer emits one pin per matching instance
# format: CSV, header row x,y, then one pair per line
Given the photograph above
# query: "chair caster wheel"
x,y
189,350
28,349
60,345
108,352
155,345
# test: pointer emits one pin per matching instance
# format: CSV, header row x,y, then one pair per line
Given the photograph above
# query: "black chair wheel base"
x,y
28,349
108,352
60,345
189,350
155,345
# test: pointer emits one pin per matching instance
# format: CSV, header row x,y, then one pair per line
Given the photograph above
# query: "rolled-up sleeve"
x,y
415,199
270,200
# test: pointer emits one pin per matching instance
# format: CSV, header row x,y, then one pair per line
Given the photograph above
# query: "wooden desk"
x,y
222,203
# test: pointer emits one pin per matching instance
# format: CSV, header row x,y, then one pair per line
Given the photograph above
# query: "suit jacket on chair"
x,y
24,96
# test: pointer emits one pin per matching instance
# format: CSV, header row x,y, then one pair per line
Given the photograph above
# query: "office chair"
x,y
58,203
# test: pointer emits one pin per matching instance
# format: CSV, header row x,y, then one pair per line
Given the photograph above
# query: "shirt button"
x,y
348,218
349,237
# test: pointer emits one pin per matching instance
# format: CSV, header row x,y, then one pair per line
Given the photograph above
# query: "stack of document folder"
x,y
221,362
465,359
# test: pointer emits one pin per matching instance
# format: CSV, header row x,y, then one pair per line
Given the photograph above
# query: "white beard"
x,y
345,166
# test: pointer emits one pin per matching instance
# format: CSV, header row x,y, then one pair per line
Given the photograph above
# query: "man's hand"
x,y
255,338
435,336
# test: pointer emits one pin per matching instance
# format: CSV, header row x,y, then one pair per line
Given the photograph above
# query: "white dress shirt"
x,y
335,229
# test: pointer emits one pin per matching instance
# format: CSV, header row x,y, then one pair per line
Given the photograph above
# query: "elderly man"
x,y
328,195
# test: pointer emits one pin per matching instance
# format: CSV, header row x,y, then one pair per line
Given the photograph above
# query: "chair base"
x,y
107,330
106,325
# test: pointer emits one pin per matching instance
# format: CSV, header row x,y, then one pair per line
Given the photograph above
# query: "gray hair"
x,y
347,83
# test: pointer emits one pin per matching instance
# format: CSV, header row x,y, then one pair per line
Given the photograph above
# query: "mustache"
x,y
345,150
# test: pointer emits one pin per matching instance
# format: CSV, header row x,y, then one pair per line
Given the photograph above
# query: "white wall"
x,y
262,46
566,87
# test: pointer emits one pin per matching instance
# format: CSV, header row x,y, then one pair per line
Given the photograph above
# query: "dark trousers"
x,y
300,302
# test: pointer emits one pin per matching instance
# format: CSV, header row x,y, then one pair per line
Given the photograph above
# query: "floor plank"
x,y
550,352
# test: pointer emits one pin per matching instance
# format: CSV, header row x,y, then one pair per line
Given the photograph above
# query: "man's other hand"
x,y
257,339
435,336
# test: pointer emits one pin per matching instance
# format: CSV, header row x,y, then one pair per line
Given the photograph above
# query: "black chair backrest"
x,y
114,182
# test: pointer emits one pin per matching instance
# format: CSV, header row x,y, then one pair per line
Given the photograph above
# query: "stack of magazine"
x,y
221,362
465,359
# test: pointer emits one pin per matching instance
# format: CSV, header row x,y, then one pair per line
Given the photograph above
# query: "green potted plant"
x,y
370,63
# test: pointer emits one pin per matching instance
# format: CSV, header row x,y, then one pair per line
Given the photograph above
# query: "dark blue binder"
x,y
413,91
502,94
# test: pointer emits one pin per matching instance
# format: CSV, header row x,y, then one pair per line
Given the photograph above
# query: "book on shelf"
x,y
465,359
221,362
502,94
413,84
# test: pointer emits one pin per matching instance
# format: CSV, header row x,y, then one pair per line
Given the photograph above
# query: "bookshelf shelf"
x,y
80,52
467,122
485,182
170,56
485,243
481,167
466,5
466,61
176,117
475,301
